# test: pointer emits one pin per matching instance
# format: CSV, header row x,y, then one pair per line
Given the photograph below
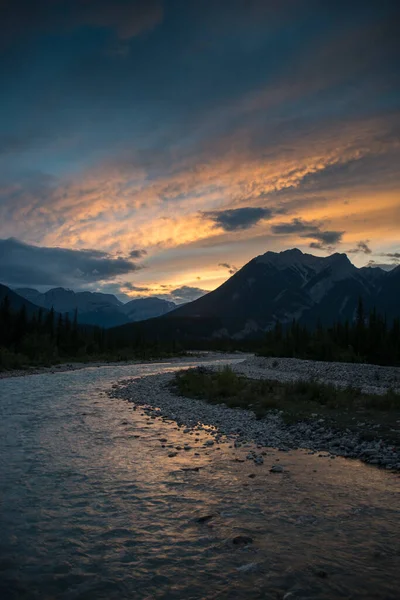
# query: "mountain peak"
x,y
291,258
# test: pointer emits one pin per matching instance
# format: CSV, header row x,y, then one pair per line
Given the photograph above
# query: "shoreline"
x,y
153,394
77,366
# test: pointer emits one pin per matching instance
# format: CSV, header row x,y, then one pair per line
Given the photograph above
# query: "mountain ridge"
x,y
292,285
96,308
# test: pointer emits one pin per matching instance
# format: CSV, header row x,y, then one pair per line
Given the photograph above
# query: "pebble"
x,y
242,540
276,469
205,518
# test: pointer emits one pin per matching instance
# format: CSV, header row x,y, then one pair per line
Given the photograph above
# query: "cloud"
x,y
137,253
384,266
162,135
127,285
295,226
26,265
23,18
395,256
360,247
238,218
231,268
128,19
186,293
325,240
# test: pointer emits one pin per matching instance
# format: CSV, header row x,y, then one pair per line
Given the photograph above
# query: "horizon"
x,y
152,148
177,299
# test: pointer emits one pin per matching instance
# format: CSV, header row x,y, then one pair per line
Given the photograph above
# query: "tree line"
x,y
46,338
369,339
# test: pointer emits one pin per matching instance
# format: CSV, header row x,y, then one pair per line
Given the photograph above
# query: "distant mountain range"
x,y
95,308
274,286
16,301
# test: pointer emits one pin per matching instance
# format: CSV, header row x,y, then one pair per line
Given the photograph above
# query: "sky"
x,y
154,147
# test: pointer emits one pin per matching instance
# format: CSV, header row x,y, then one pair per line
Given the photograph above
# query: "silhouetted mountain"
x,y
292,285
17,302
95,308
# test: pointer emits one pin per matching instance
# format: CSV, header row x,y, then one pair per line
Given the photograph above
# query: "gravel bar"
x,y
371,379
240,427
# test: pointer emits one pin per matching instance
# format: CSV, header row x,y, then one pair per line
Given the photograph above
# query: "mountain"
x,y
146,308
274,286
95,308
17,301
290,285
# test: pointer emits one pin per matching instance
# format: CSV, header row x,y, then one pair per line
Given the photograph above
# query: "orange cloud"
x,y
116,206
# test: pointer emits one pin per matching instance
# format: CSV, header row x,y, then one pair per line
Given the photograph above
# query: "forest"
x,y
47,338
367,339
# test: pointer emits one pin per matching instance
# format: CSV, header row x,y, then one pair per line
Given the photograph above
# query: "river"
x,y
92,507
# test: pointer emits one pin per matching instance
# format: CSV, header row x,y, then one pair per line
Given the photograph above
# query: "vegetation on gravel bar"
x,y
342,408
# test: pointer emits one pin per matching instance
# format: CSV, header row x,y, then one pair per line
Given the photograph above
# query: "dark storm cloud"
x,y
325,240
231,268
361,247
238,218
25,265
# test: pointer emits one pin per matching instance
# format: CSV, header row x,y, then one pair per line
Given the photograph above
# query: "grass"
x,y
298,401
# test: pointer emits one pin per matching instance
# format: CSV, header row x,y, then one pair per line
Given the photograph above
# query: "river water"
x,y
93,508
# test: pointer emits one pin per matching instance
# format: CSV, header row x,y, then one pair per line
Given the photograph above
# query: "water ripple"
x,y
92,508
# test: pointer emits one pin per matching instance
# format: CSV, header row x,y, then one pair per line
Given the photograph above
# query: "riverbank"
x,y
239,427
76,366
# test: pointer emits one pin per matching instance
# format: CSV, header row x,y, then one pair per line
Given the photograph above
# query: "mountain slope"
x,y
292,285
146,308
17,301
95,308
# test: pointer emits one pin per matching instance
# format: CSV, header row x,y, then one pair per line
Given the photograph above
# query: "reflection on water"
x,y
93,508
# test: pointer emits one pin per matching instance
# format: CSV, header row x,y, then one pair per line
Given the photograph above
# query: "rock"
x,y
205,518
252,475
209,443
242,540
191,468
276,469
259,460
321,573
172,454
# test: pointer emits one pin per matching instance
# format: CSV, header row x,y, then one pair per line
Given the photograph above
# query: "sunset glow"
x,y
199,138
